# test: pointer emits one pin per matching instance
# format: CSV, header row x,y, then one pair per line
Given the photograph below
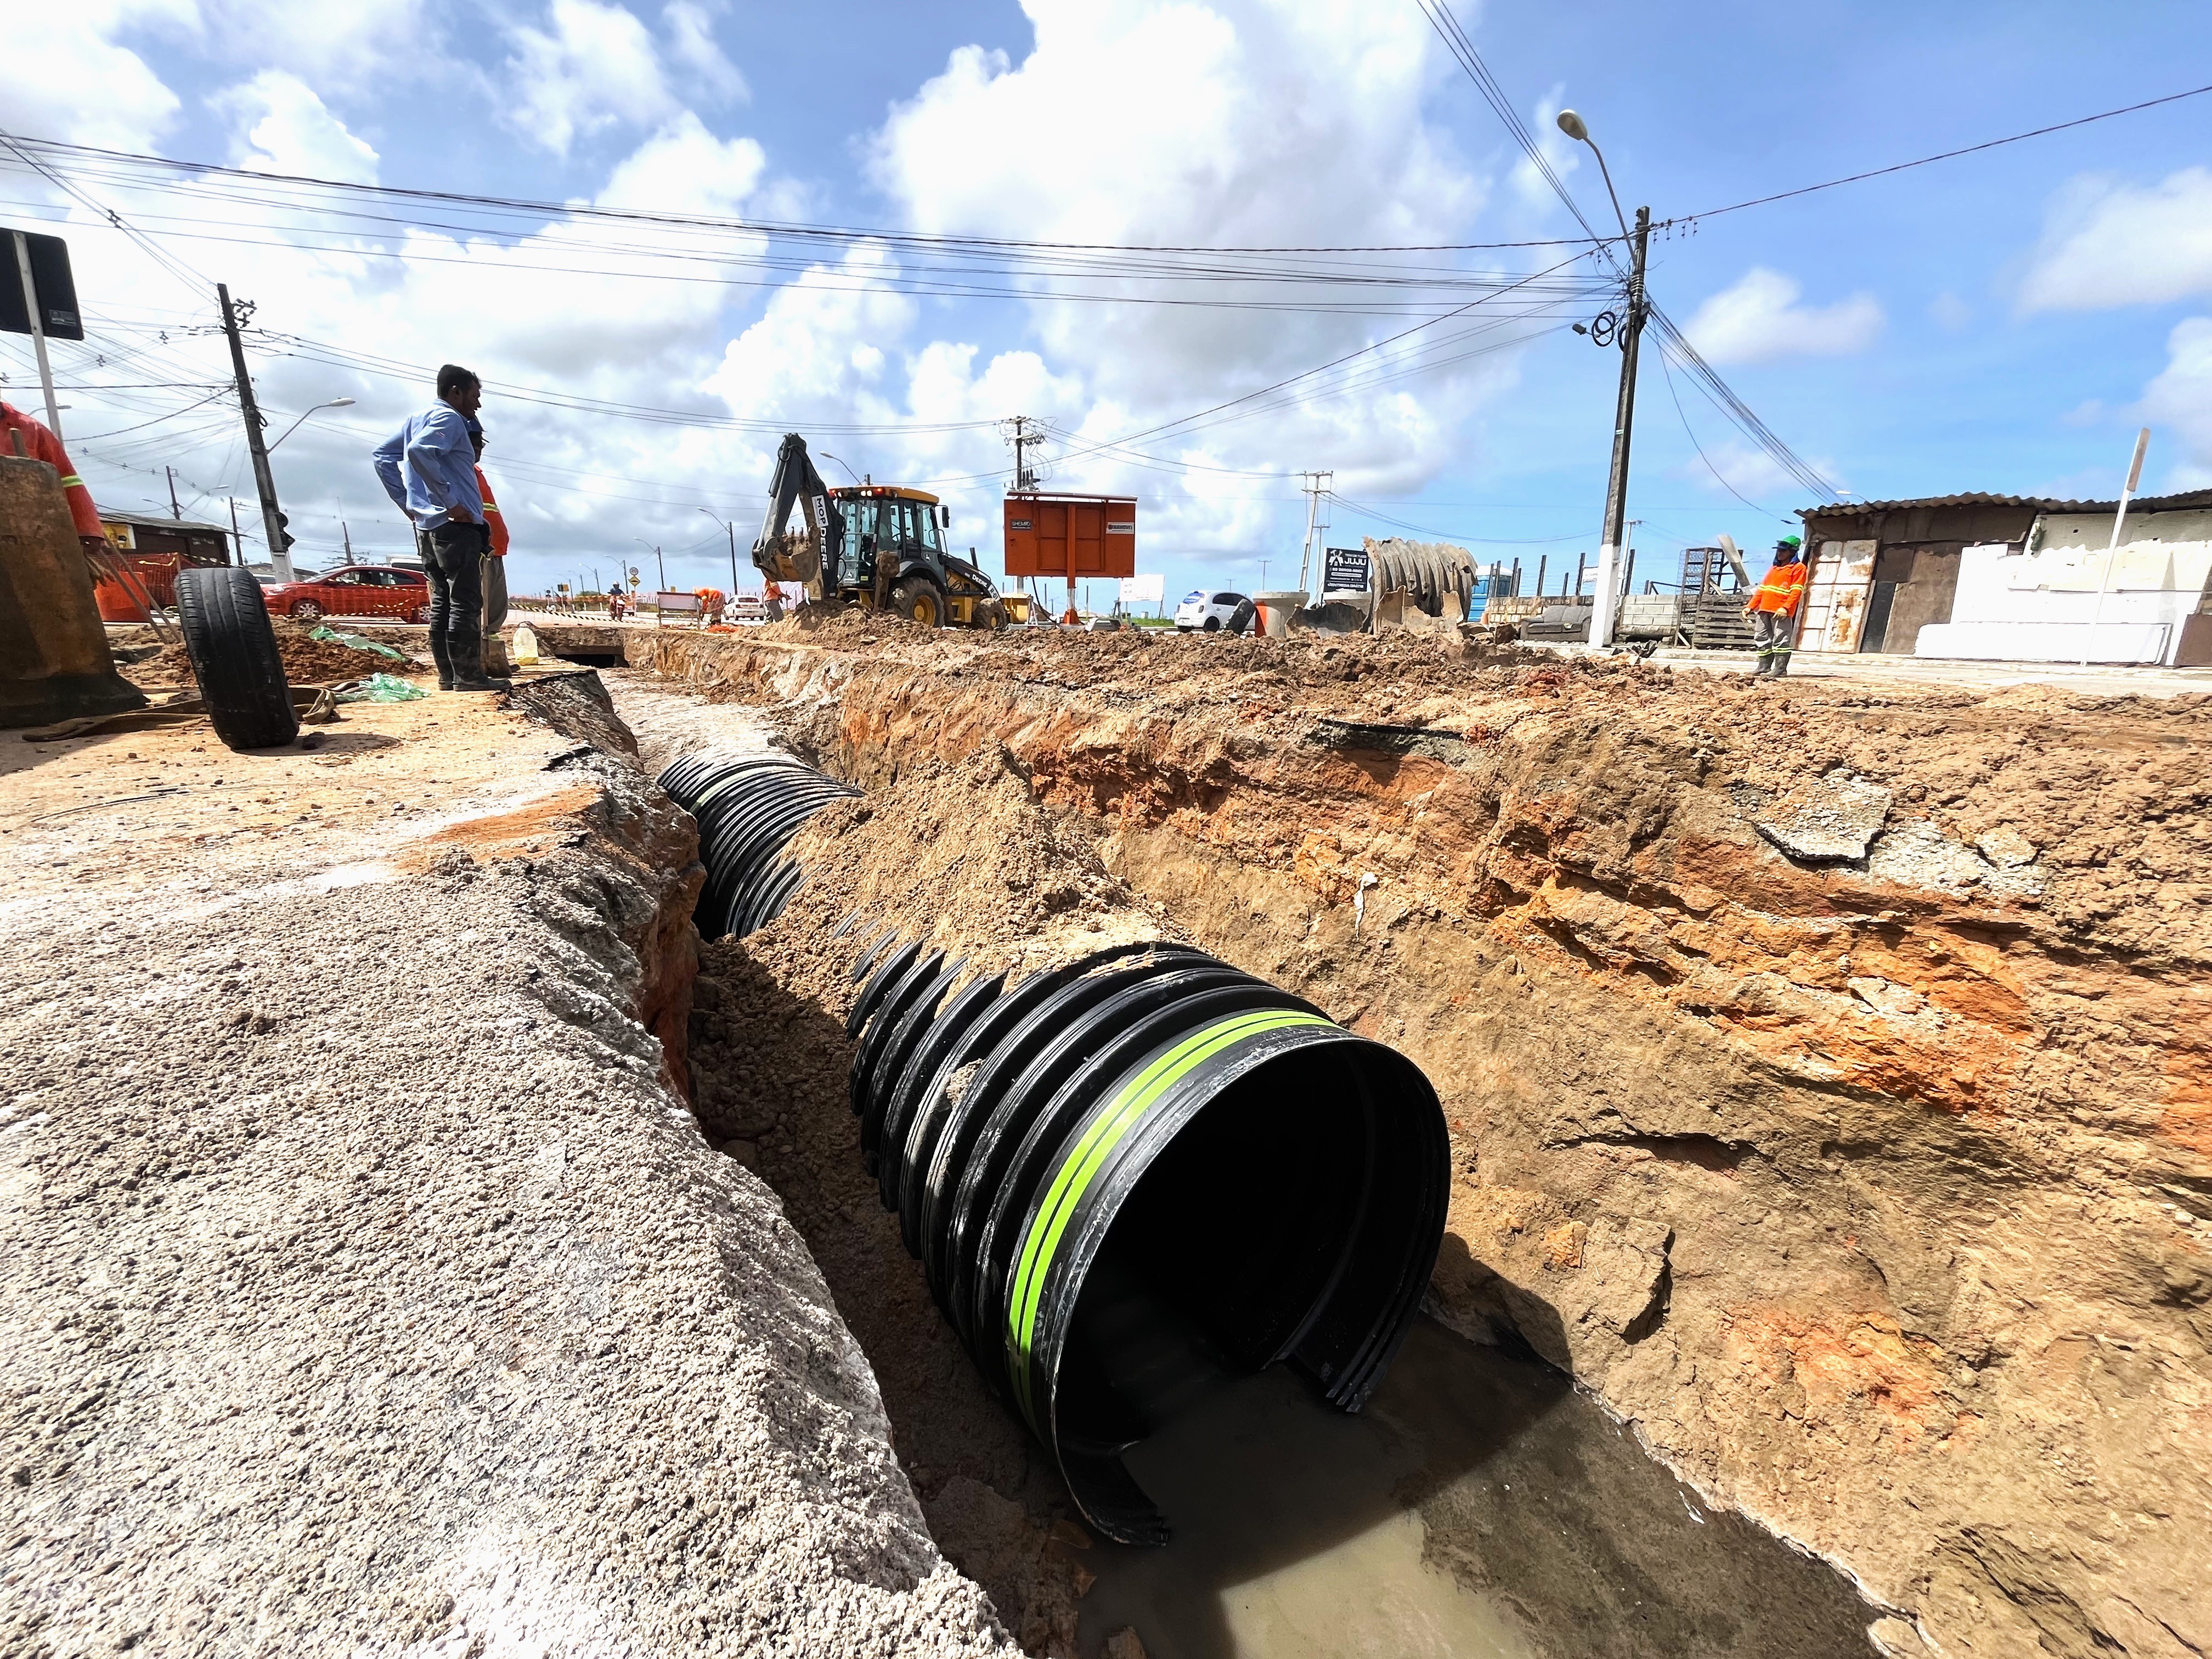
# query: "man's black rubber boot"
x,y
468,672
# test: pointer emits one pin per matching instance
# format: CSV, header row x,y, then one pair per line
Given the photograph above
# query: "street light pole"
x,y
334,403
731,525
1606,603
659,564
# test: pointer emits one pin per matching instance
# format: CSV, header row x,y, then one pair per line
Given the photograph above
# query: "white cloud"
x,y
65,75
286,129
1950,312
1178,123
1563,154
595,64
1744,469
2180,401
592,65
2107,243
692,42
1759,320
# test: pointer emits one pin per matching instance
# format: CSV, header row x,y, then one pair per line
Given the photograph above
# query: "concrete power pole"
x,y
272,520
1605,607
1024,433
1312,559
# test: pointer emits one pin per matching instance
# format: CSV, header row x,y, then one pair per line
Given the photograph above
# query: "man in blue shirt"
x,y
429,469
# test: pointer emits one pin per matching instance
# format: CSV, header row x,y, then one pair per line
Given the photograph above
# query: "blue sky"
x,y
1999,322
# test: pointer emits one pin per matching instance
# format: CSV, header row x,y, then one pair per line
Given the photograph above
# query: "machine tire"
x,y
991,617
919,600
304,611
234,657
1240,619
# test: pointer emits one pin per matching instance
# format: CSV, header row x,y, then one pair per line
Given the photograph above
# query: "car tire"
x,y
919,600
1240,619
420,616
304,611
1214,625
234,657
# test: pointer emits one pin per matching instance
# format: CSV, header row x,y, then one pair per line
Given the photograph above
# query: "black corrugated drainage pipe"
x,y
1141,1160
1139,1166
748,809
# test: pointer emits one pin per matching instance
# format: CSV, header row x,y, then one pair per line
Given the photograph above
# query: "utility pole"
x,y
1317,487
175,512
1606,606
31,309
237,547
272,519
346,531
1023,434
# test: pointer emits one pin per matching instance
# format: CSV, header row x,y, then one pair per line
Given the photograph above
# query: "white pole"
x,y
2111,548
37,333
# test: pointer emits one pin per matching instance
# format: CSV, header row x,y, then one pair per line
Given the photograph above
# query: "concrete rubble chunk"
x,y
1828,820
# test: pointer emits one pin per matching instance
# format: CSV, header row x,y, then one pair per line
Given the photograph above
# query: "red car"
x,y
357,590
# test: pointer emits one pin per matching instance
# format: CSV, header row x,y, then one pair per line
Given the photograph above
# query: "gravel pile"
x,y
362,1288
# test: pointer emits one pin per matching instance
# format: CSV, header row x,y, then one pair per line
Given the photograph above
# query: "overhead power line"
x,y
774,228
1947,155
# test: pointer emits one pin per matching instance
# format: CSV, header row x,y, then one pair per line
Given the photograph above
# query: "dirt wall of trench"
x,y
1827,1066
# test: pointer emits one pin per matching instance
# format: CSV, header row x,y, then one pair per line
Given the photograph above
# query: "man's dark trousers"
x,y
456,600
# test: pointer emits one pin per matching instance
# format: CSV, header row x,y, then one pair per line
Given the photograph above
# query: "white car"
x,y
1210,613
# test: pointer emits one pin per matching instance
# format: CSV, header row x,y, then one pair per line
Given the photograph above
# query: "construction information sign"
x,y
1345,571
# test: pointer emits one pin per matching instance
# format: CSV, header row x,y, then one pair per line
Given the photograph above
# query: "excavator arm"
x,y
806,555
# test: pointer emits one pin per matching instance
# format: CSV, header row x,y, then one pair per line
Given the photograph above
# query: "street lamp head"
x,y
339,403
1571,124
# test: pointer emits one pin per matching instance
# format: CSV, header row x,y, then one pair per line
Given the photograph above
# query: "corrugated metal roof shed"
x,y
161,521
2041,504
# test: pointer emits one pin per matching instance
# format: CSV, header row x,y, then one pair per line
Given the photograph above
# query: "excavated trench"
x,y
1825,1064
1165,1446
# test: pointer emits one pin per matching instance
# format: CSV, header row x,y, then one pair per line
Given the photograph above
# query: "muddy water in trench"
x,y
1478,1507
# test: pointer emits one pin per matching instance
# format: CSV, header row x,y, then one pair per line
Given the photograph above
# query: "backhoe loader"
x,y
879,546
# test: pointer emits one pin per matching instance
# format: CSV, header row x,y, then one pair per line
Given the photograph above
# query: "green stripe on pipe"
x,y
1089,1154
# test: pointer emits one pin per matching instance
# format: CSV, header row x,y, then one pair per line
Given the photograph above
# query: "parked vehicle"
x,y
358,590
1210,613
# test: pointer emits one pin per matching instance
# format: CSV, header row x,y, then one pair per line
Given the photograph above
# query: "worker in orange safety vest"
x,y
38,444
1774,609
492,569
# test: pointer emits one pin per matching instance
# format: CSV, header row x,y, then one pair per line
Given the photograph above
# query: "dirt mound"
x,y
306,661
959,851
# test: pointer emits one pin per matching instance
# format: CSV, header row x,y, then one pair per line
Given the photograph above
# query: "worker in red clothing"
x,y
39,445
1774,608
493,567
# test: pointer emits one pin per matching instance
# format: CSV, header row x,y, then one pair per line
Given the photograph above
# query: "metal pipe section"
x,y
1143,1166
